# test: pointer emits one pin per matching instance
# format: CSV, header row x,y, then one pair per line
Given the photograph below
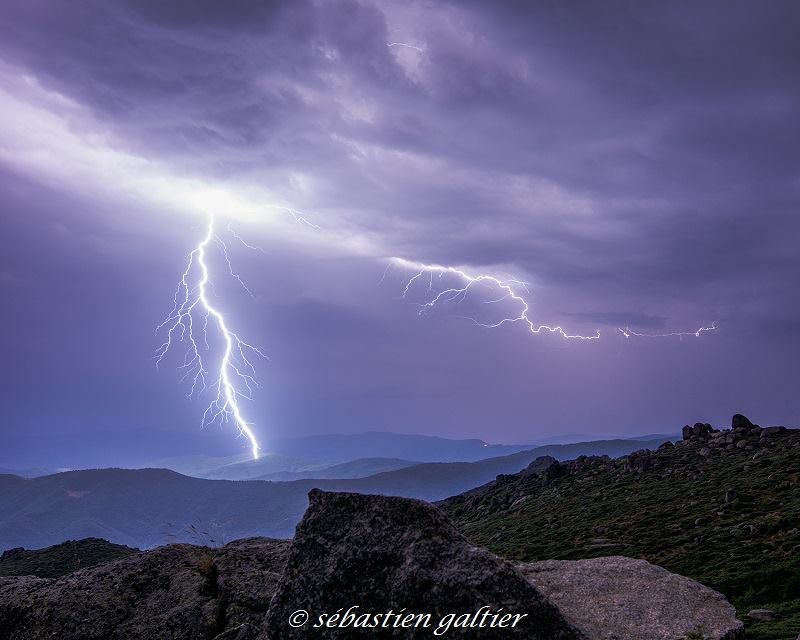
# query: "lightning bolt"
x,y
405,45
628,332
507,290
233,377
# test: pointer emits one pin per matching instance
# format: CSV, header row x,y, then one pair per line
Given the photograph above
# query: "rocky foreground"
x,y
378,554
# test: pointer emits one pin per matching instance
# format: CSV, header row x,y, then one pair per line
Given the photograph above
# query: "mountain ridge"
x,y
144,508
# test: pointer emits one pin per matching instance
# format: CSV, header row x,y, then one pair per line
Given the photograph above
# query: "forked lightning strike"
x,y
234,377
508,289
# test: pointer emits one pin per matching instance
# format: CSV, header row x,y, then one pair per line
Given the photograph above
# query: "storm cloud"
x,y
636,163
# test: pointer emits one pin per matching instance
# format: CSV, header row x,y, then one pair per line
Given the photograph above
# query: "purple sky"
x,y
637,166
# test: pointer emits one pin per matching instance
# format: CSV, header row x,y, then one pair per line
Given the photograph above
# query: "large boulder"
x,y
617,598
384,554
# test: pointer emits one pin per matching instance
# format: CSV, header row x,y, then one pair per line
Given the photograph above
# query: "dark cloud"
x,y
636,162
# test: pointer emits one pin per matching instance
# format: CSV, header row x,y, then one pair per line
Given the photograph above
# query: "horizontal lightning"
x,y
405,45
628,332
507,290
188,324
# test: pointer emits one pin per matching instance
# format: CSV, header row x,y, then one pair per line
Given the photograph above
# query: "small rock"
x,y
705,452
762,615
731,495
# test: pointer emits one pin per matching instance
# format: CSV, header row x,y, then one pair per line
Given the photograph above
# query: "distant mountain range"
x,y
206,452
212,453
146,507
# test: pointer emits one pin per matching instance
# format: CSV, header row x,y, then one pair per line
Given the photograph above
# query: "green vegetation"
x,y
61,559
727,520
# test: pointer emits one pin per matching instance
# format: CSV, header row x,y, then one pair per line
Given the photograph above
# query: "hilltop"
x,y
720,506
61,559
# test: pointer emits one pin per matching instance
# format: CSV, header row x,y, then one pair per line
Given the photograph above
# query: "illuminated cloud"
x,y
638,167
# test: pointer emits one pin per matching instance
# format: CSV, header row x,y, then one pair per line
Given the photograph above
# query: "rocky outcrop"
x,y
701,438
373,555
177,592
617,597
743,434
393,554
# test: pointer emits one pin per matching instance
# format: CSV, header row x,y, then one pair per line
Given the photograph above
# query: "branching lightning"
x,y
508,290
233,377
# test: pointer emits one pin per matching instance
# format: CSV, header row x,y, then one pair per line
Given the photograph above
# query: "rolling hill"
x,y
146,507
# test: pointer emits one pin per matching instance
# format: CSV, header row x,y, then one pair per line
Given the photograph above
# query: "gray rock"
x,y
248,574
383,553
618,597
762,615
771,431
739,420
